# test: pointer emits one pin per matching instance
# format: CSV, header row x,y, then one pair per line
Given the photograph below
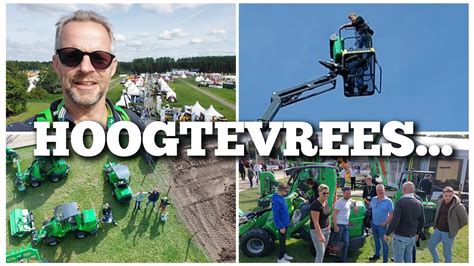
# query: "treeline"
x,y
17,80
17,84
207,64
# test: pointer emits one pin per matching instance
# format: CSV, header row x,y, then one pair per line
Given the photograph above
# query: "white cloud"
x,y
166,9
48,9
221,33
119,37
113,7
172,34
134,44
144,34
195,41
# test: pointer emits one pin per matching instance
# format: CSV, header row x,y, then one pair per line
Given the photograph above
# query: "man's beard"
x,y
84,101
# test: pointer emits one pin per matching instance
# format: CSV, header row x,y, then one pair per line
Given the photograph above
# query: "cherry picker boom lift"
x,y
356,66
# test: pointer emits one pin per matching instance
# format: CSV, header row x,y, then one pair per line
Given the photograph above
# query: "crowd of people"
x,y
153,197
403,221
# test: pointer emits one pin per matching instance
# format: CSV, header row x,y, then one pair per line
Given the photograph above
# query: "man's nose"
x,y
86,64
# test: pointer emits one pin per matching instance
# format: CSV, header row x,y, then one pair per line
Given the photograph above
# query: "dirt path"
x,y
214,97
203,191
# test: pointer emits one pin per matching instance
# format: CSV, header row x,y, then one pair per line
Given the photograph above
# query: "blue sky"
x,y
141,30
423,50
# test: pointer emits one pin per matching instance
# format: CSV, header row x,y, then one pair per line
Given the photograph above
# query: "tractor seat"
x,y
122,184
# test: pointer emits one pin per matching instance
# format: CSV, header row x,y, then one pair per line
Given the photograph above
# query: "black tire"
x,y
52,241
256,243
113,193
107,177
80,234
35,183
55,178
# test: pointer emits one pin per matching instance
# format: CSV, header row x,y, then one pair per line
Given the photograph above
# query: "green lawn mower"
x,y
119,176
41,168
66,218
257,231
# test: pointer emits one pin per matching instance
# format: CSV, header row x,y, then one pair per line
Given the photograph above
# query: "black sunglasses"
x,y
324,193
72,57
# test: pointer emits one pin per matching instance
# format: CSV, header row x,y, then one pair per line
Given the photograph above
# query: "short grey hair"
x,y
83,16
380,186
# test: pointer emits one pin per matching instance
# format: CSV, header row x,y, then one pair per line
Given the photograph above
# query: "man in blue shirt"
x,y
382,213
281,218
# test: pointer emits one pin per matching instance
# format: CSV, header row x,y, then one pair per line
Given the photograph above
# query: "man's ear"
x,y
56,63
113,67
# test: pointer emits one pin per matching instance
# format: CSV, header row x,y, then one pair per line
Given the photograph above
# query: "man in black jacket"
x,y
407,224
363,31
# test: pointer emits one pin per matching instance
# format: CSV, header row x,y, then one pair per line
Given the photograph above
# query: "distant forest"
x,y
17,83
207,64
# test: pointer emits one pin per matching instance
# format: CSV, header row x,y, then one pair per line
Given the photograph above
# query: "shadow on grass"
x,y
32,197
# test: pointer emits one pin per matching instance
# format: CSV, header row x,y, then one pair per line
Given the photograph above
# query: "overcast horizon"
x,y
140,30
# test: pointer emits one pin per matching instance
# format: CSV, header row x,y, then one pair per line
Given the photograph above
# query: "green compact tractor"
x,y
119,176
41,168
257,231
66,218
414,176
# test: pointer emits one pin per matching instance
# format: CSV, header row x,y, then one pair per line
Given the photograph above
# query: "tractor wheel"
x,y
107,177
80,234
35,183
52,241
256,243
113,193
55,178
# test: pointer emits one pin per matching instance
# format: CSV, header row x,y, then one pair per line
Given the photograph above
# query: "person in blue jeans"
x,y
450,217
407,224
340,218
281,218
382,214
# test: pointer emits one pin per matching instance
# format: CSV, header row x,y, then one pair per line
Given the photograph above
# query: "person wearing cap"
x,y
363,31
320,225
382,214
340,219
281,218
369,191
450,217
407,224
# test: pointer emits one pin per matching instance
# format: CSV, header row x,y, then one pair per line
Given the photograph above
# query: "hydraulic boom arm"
x,y
295,94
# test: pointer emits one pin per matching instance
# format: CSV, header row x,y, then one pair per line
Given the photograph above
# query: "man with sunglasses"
x,y
85,64
450,217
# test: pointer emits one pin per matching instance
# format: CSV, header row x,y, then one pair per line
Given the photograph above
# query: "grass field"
x,y
139,236
189,96
227,94
185,94
35,106
300,251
